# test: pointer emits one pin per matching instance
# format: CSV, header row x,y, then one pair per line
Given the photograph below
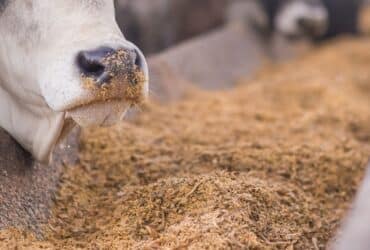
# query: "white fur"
x,y
39,81
355,235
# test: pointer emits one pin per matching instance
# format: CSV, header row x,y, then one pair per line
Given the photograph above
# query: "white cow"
x,y
47,49
356,230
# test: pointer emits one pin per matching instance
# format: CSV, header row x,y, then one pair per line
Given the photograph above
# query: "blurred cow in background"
x,y
238,39
155,25
296,18
314,19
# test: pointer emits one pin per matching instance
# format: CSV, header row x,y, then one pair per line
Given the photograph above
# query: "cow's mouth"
x,y
100,113
107,109
107,104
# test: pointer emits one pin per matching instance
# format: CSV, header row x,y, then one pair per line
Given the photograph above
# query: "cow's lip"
x,y
107,106
75,107
99,113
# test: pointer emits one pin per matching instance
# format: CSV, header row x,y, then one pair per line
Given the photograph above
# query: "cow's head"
x,y
64,61
295,18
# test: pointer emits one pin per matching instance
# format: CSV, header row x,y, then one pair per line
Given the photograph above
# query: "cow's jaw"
x,y
99,114
36,128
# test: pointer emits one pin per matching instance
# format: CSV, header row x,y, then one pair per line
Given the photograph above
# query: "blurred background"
x,y
158,24
213,44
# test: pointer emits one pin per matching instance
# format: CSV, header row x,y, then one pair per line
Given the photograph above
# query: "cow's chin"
x,y
105,113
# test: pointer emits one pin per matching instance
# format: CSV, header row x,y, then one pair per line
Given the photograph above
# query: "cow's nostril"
x,y
104,63
91,63
138,60
301,22
89,66
307,25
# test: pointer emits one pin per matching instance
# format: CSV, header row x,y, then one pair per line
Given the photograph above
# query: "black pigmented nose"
x,y
137,58
302,22
93,63
308,25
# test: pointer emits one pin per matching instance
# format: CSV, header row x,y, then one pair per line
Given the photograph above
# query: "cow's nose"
x,y
309,26
314,24
96,64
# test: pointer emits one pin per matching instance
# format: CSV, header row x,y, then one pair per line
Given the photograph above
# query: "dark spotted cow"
x,y
316,19
296,18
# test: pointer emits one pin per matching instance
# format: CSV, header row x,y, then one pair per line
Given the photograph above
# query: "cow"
x,y
355,232
317,20
64,62
156,25
239,44
295,18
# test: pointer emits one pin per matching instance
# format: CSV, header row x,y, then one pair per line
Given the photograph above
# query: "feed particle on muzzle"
x,y
122,79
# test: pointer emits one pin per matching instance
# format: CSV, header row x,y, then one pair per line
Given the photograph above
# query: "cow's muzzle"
x,y
313,27
103,64
112,81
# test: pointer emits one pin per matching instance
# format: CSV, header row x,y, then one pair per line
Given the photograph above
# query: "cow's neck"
x,y
36,128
